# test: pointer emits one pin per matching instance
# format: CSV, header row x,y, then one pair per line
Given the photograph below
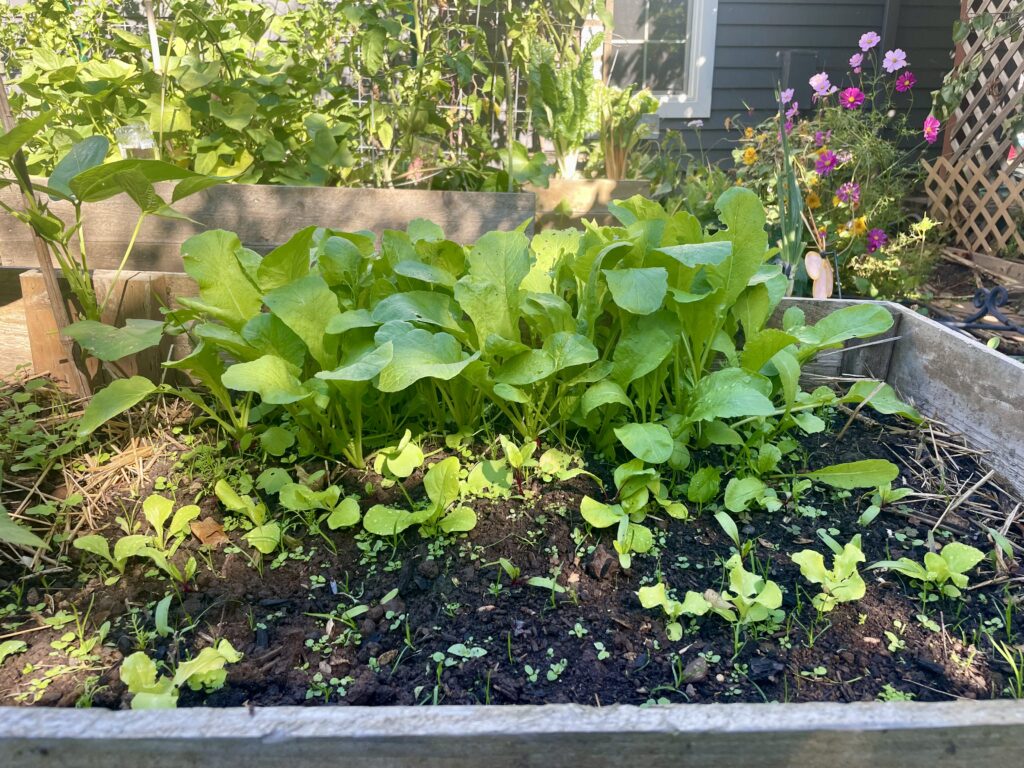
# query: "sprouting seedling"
x,y
507,567
883,496
840,584
945,571
519,458
549,583
693,604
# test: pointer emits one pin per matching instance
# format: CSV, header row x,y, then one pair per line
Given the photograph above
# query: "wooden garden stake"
x,y
77,380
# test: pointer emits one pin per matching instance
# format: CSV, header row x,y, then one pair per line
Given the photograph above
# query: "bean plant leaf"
x,y
83,155
108,343
113,400
22,133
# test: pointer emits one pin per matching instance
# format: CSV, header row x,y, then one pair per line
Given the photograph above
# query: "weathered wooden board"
x,y
975,390
264,217
858,735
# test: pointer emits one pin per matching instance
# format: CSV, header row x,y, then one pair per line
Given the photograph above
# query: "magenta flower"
x,y
787,96
931,129
788,126
905,81
821,138
869,40
793,109
821,84
849,192
851,98
826,162
876,239
856,62
894,60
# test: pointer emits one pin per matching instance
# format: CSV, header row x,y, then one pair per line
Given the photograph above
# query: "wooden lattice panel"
x,y
977,186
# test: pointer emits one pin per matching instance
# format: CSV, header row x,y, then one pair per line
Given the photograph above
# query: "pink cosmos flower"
x,y
849,192
931,129
876,239
851,98
821,138
826,162
894,60
869,40
793,109
856,62
788,126
787,96
822,85
905,81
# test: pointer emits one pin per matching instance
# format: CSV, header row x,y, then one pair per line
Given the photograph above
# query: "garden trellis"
x,y
977,186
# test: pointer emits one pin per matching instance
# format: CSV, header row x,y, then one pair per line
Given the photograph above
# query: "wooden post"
x,y
76,379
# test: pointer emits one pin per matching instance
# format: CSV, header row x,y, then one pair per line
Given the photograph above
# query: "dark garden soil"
x,y
592,644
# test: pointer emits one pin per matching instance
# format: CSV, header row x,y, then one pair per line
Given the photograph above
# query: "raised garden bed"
x,y
530,606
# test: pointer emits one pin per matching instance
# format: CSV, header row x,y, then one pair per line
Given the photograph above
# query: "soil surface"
x,y
460,631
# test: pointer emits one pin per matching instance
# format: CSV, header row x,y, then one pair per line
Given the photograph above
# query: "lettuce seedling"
x,y
693,604
441,482
752,599
152,691
944,571
264,536
841,584
319,507
158,511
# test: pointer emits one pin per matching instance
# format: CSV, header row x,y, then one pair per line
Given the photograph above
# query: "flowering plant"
x,y
855,156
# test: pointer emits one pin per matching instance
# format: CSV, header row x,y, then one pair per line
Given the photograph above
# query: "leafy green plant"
x,y
152,690
620,114
752,599
840,584
318,507
560,88
264,535
944,571
440,515
656,596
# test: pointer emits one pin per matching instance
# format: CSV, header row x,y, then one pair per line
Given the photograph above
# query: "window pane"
x,y
627,65
628,17
666,67
667,19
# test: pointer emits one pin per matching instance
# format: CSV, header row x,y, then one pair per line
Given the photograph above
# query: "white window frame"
x,y
695,101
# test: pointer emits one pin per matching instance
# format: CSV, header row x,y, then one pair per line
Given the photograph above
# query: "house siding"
x,y
755,40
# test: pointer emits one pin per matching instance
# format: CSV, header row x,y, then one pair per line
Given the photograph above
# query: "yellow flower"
x,y
813,201
836,202
749,156
860,226
748,132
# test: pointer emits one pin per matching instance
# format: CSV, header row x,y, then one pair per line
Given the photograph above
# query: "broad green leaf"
x,y
419,354
277,440
638,291
108,343
740,492
273,378
788,368
867,473
264,538
490,292
812,565
526,368
212,259
362,366
655,596
301,498
570,349
752,309
350,321
441,482
130,546
730,393
13,533
650,442
601,515
94,544
458,520
699,254
307,306
344,514
729,526
960,557
604,393
639,352
83,155
853,322
157,510
704,485
883,399
105,181
115,399
388,521
418,307
743,215
266,334
425,273
21,133
288,262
